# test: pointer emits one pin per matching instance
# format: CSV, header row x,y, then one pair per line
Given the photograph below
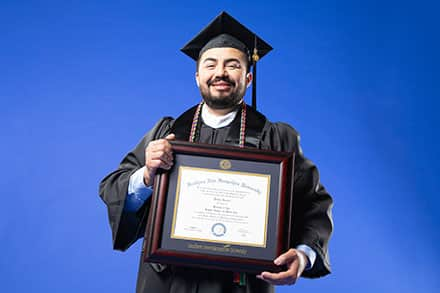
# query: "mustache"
x,y
217,79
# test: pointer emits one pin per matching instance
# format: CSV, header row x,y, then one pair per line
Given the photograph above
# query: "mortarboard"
x,y
225,31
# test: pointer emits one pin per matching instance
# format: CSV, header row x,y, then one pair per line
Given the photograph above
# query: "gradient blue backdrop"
x,y
82,81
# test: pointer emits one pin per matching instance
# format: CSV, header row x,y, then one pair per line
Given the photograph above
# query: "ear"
x,y
249,78
197,79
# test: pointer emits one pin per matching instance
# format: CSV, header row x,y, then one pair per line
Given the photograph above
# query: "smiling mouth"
x,y
221,85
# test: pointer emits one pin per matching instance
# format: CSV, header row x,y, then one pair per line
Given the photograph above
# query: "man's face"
x,y
222,77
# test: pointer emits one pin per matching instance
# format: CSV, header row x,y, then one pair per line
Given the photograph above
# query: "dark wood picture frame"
x,y
159,247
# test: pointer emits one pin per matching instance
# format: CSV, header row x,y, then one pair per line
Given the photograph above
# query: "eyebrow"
x,y
209,59
226,61
232,60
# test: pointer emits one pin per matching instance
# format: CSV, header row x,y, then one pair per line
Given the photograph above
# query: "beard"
x,y
219,101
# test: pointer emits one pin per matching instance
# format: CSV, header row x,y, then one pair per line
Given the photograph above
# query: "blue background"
x,y
82,81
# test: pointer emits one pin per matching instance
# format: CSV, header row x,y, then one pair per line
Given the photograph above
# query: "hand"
x,y
158,154
295,261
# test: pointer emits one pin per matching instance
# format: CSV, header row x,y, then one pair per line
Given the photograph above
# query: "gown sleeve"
x,y
312,204
127,226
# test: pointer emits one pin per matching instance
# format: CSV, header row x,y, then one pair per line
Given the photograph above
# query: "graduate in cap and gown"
x,y
225,52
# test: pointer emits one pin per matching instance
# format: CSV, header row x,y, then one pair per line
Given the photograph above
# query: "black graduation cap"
x,y
225,31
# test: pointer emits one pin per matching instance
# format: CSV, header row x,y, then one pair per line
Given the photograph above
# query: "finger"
x,y
163,145
282,278
162,141
170,136
277,276
160,145
156,164
165,156
289,276
167,164
286,257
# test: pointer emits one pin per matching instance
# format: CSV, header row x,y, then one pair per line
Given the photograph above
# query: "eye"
x,y
233,66
209,65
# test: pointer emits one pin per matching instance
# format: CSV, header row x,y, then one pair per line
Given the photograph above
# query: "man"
x,y
224,52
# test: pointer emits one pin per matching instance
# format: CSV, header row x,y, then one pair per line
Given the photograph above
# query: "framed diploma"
x,y
221,207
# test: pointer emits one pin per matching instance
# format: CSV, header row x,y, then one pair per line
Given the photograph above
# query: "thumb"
x,y
286,257
170,136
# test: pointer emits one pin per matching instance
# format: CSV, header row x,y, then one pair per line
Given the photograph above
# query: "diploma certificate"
x,y
221,206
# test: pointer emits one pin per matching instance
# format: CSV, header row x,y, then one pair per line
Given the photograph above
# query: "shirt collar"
x,y
217,121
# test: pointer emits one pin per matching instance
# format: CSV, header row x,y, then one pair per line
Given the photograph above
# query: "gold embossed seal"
x,y
225,164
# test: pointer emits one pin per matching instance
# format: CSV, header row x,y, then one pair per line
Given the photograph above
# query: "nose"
x,y
220,70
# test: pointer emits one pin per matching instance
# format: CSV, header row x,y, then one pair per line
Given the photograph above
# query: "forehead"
x,y
223,54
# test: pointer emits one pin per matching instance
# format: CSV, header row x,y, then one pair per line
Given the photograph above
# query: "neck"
x,y
220,112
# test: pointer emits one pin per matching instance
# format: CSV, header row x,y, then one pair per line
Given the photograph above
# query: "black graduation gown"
x,y
312,204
